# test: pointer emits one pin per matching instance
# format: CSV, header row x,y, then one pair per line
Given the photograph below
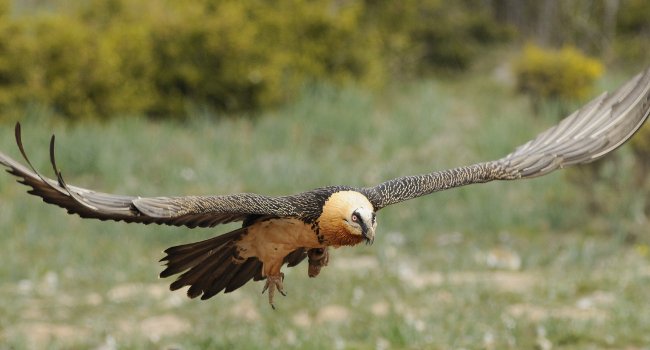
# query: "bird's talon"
x,y
274,283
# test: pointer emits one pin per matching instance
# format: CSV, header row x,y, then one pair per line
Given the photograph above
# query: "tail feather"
x,y
196,276
220,274
218,284
208,275
190,259
245,274
259,276
207,265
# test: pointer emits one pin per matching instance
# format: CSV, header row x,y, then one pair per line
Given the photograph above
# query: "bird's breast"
x,y
276,238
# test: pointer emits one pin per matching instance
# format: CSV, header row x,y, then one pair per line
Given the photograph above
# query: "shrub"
x,y
633,30
111,57
61,65
564,74
420,36
157,58
14,73
236,55
5,7
78,71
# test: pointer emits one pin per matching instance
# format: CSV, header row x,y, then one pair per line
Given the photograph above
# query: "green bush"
x,y
62,65
564,74
110,57
5,7
78,71
157,58
420,36
633,31
14,73
238,55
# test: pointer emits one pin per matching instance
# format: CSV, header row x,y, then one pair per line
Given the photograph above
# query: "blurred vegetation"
x,y
102,58
419,37
108,57
564,74
633,31
641,147
615,30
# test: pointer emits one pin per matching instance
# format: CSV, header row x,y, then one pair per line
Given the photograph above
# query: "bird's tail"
x,y
209,266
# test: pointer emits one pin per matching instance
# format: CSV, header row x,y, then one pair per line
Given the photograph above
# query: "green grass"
x,y
425,283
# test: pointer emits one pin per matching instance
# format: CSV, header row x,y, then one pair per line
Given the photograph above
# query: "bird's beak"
x,y
368,234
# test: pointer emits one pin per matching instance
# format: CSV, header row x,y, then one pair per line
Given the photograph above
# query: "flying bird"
x,y
289,229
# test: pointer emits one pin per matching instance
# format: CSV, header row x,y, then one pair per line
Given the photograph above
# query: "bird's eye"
x,y
355,218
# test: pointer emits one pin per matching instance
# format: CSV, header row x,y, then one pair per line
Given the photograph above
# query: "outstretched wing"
x,y
190,211
591,132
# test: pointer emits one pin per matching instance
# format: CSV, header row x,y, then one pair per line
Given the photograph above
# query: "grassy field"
x,y
517,265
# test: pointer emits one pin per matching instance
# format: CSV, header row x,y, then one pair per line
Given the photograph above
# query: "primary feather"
x,y
586,135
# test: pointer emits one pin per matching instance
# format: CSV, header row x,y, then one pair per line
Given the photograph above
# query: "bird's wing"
x,y
191,211
589,133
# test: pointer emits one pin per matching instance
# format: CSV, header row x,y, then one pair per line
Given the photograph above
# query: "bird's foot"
x,y
274,283
318,257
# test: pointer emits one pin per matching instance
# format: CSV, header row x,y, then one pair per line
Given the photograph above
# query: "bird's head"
x,y
348,218
363,222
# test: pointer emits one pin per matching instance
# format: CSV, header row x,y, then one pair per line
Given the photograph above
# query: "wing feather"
x,y
591,132
190,211
596,129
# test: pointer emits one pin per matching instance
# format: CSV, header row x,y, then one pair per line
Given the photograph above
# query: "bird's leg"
x,y
318,257
274,283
